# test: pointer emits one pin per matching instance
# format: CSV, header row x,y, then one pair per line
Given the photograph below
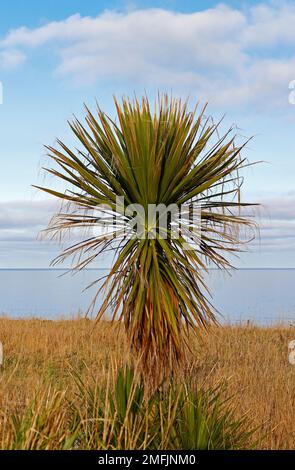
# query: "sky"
x,y
55,56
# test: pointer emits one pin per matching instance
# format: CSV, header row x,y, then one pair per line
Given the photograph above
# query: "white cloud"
x,y
11,59
23,220
222,54
20,223
276,219
270,25
280,207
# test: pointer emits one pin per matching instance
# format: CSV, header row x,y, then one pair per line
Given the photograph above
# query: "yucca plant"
x,y
205,419
166,156
44,424
115,416
124,416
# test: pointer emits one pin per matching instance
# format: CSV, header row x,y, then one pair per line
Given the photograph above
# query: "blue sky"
x,y
56,55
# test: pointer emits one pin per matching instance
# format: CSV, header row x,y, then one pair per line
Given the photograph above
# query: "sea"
x,y
261,296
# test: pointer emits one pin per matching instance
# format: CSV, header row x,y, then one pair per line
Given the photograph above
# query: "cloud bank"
x,y
226,55
22,221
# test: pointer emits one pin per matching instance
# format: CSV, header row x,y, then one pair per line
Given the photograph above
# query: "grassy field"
x,y
42,359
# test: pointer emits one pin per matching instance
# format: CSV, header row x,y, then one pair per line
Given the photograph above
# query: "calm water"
x,y
264,296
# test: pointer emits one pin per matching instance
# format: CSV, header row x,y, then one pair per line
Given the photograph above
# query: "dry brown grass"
x,y
253,359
